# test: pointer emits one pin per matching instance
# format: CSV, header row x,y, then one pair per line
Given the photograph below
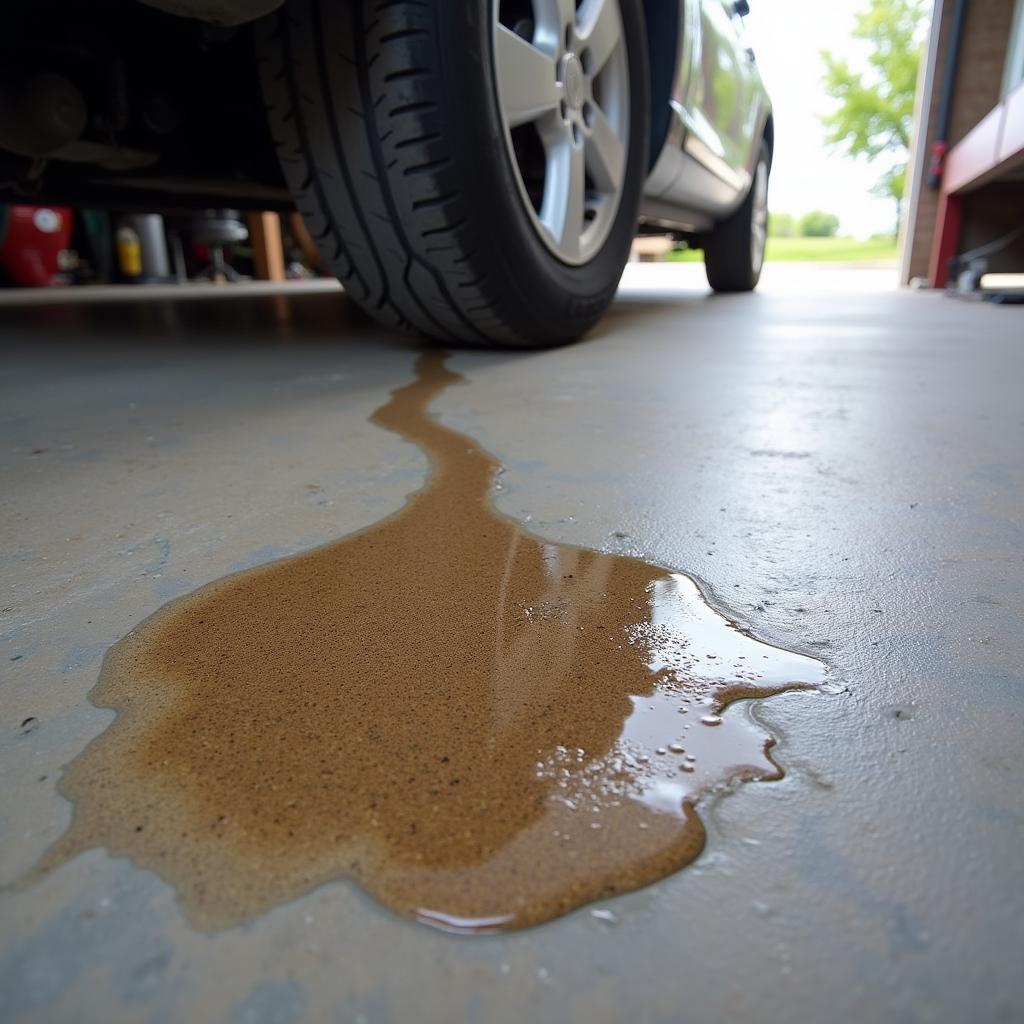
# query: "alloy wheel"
x,y
562,82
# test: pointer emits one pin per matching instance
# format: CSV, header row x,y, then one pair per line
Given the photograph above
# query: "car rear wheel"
x,y
734,252
470,170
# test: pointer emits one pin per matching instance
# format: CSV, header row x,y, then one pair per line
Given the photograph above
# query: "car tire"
x,y
734,251
393,125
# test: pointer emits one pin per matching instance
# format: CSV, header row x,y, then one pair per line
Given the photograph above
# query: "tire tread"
x,y
373,174
727,257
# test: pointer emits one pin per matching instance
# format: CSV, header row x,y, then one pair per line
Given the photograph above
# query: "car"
x,y
472,170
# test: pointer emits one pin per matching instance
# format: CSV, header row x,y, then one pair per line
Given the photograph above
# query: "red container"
x,y
31,247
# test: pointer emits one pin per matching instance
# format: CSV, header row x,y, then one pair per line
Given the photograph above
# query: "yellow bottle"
x,y
129,251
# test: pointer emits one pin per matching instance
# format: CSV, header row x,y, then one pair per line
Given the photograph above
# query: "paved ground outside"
x,y
840,464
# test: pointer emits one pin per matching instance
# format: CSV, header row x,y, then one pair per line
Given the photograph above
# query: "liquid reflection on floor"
x,y
483,728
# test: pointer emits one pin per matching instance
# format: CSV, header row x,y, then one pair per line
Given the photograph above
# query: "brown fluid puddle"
x,y
483,728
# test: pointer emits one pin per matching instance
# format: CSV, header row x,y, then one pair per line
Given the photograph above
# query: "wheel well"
x,y
662,21
769,138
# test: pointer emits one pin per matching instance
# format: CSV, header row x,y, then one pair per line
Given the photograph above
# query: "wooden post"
x,y
267,246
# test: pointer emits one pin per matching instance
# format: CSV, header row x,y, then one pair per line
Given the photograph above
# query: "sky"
x,y
788,37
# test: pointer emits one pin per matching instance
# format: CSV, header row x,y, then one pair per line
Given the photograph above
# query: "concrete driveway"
x,y
840,465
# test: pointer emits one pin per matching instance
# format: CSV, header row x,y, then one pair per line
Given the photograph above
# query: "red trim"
x,y
975,154
1012,140
946,239
992,147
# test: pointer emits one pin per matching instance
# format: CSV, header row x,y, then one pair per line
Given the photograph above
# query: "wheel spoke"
x,y
527,88
564,192
566,76
605,153
552,17
599,28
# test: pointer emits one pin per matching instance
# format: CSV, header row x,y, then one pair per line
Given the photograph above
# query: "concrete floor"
x,y
840,464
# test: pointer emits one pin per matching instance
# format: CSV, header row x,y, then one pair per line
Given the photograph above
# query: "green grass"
x,y
814,250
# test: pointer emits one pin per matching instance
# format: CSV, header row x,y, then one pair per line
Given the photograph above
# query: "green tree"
x,y
781,225
875,105
818,224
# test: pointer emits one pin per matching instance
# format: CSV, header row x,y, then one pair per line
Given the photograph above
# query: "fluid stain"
x,y
483,728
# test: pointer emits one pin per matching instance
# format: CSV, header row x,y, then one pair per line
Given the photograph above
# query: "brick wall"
x,y
979,77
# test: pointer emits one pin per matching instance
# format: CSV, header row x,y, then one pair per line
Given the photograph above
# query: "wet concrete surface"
x,y
839,464
484,728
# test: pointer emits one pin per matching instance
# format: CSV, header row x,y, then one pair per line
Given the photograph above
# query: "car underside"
x,y
113,103
117,103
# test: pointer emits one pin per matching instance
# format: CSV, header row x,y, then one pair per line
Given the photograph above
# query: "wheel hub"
x,y
574,81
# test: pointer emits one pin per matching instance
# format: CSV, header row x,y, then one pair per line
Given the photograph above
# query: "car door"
x,y
719,99
741,129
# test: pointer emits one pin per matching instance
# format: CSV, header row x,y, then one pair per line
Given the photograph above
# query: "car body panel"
x,y
719,111
217,12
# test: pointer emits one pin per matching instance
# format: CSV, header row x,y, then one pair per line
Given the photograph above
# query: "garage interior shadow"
x,y
236,319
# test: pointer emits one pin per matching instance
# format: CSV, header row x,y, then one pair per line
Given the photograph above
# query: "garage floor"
x,y
842,467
